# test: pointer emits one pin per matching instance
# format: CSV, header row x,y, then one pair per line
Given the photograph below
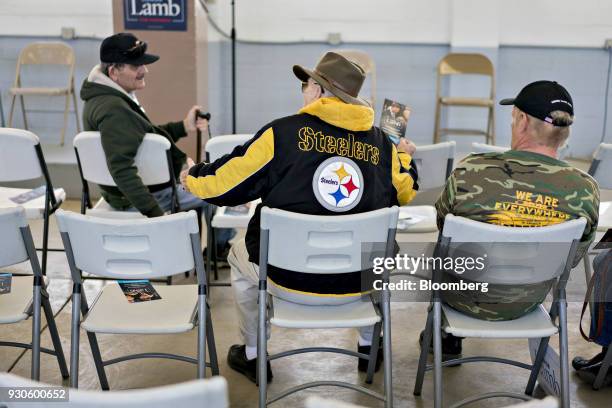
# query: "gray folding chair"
x,y
91,160
216,217
21,159
601,171
209,393
515,256
136,249
26,299
324,245
434,164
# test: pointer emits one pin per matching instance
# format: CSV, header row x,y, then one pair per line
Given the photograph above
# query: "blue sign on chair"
x,y
155,15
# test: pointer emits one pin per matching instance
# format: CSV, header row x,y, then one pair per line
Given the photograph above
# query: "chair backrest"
x,y
46,53
12,246
151,159
514,255
221,145
434,163
129,248
466,64
18,157
487,148
366,62
325,244
196,393
601,167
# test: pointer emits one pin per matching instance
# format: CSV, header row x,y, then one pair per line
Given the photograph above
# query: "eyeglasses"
x,y
138,50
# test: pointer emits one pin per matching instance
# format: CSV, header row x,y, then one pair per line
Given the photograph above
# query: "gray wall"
x,y
267,89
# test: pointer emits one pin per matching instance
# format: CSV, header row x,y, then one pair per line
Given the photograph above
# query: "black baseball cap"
x,y
540,98
125,48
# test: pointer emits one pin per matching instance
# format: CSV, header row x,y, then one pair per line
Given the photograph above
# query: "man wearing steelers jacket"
x,y
328,159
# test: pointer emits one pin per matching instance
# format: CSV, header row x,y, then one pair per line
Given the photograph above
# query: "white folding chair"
x,y
91,160
318,244
26,298
515,256
434,164
209,393
136,249
93,168
217,217
21,159
601,171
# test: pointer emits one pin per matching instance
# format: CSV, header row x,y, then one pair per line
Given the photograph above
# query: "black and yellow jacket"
x,y
122,124
278,165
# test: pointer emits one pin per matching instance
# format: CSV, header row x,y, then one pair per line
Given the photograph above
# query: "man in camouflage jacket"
x,y
526,186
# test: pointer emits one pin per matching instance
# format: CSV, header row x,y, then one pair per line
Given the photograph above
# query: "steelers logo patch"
x,y
338,184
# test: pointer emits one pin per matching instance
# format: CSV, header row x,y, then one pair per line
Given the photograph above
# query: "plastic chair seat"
x,y
425,214
173,313
532,325
605,216
466,101
35,209
103,205
293,315
39,91
14,306
223,220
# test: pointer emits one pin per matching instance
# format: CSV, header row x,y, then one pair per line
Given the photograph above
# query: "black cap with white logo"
x,y
540,98
125,48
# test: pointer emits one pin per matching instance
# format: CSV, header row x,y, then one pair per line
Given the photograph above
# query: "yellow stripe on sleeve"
x,y
402,182
236,170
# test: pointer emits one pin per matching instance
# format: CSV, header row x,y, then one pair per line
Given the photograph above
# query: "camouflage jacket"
x,y
521,189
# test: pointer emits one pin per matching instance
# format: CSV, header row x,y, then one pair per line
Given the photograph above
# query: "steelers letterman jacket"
x,y
326,160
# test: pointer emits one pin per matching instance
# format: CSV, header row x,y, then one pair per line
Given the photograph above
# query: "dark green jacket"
x,y
123,125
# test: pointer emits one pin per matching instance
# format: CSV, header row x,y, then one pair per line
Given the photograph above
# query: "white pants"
x,y
245,283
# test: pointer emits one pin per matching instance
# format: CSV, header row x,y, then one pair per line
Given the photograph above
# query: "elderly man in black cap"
x,y
111,107
328,159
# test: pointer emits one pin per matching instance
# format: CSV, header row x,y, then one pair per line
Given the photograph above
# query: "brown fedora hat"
x,y
338,75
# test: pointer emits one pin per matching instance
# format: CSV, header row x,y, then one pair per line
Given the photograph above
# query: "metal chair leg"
x,y
11,111
212,348
23,112
388,364
2,112
66,109
45,243
262,357
74,338
537,365
55,338
373,353
202,326
563,354
36,324
436,138
437,335
418,384
95,349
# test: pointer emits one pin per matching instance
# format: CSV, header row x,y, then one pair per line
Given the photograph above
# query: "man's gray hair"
x,y
105,66
552,134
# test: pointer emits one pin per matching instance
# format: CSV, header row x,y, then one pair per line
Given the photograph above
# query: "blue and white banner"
x,y
168,15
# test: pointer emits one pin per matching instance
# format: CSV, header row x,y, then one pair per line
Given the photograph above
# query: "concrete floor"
x,y
408,321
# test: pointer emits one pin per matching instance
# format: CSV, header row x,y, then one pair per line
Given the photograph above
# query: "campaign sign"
x,y
155,15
